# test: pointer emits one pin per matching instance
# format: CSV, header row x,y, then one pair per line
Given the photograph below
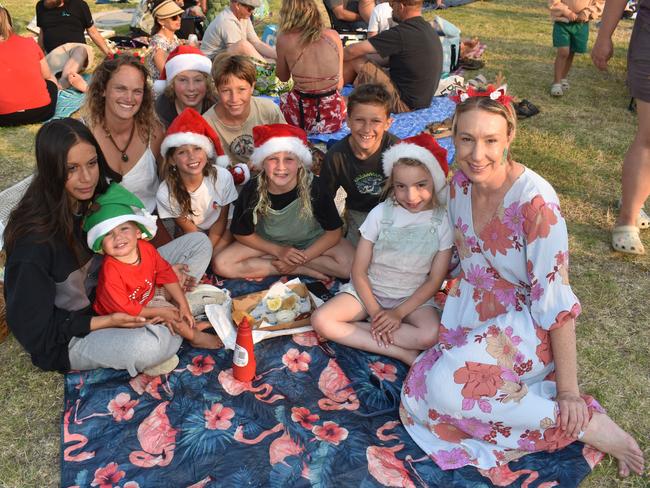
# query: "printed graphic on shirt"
x,y
369,183
141,295
242,146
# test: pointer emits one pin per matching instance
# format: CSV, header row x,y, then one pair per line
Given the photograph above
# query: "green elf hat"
x,y
116,206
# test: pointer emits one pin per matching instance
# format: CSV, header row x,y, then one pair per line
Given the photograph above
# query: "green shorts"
x,y
573,35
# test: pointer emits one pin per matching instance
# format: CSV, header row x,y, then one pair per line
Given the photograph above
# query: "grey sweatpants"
x,y
140,348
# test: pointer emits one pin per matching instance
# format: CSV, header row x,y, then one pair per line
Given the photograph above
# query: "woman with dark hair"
x,y
49,264
28,90
119,110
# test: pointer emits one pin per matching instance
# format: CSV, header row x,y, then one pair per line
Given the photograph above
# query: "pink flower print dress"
x,y
484,395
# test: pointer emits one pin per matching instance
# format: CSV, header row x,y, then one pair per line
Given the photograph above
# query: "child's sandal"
x,y
565,84
625,238
556,90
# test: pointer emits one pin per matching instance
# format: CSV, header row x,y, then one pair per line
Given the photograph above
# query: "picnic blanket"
x,y
306,420
405,124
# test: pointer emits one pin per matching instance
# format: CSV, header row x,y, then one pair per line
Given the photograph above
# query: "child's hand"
x,y
186,315
187,282
383,324
291,255
283,268
574,415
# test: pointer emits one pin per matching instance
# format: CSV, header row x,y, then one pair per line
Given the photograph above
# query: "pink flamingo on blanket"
x,y
157,437
504,476
382,436
334,384
79,442
143,383
280,448
234,387
386,468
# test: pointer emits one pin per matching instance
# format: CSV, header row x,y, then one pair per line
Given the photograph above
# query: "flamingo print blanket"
x,y
314,416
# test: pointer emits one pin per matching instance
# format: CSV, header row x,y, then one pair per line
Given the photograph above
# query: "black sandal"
x,y
525,109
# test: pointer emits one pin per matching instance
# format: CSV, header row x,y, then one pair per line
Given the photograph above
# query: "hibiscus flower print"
x,y
218,417
330,432
107,476
449,433
513,391
201,365
456,458
513,219
489,307
543,349
496,237
415,384
479,380
479,277
122,407
296,361
501,348
304,417
538,218
475,427
453,337
384,371
505,292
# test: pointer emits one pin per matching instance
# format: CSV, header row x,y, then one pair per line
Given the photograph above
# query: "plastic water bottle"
x,y
243,360
193,40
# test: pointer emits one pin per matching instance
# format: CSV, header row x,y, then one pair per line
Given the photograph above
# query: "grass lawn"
x,y
577,143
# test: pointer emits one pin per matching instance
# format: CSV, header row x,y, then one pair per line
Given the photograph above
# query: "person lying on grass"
x,y
283,223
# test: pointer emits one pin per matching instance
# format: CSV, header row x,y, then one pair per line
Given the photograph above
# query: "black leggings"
x,y
33,115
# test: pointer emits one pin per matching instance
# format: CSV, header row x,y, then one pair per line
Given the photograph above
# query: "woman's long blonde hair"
x,y
263,205
301,16
6,25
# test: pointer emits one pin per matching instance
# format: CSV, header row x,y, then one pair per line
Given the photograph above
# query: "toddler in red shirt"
x,y
133,268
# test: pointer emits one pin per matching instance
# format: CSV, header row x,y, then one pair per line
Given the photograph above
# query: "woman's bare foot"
x,y
605,435
77,81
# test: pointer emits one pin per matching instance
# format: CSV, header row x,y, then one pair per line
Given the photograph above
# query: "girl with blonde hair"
x,y
283,223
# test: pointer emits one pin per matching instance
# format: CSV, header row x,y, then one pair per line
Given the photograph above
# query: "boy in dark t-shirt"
x,y
354,163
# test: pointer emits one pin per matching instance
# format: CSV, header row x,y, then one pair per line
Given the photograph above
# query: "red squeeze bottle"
x,y
243,360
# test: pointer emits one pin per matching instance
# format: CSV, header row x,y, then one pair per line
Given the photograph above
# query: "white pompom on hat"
x,y
183,58
274,138
190,128
423,148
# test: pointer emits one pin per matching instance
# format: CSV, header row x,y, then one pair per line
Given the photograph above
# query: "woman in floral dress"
x,y
502,381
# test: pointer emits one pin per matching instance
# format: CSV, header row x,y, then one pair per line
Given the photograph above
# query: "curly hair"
x,y
301,16
305,178
95,106
177,189
487,105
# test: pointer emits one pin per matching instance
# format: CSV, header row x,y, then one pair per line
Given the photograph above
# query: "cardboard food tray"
x,y
247,303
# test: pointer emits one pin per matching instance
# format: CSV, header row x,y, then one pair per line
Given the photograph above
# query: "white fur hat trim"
x,y
278,144
180,138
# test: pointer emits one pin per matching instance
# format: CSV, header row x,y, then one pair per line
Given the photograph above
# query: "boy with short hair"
x,y
570,35
132,268
354,162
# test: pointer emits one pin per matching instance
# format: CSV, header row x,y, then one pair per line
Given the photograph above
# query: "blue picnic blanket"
x,y
306,420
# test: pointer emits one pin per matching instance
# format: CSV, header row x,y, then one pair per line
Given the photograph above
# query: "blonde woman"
x,y
313,57
283,223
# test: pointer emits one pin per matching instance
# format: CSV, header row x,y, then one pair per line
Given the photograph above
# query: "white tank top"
x,y
142,180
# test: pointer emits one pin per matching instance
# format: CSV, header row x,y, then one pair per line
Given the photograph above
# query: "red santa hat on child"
x,y
190,128
183,58
423,148
273,138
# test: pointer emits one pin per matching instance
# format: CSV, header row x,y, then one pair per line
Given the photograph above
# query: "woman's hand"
x,y
124,320
574,415
187,282
291,255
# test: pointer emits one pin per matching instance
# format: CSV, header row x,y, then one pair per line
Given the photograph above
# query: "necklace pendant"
x,y
125,158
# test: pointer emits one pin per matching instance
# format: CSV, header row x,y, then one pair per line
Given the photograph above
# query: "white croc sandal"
x,y
643,220
556,90
165,367
625,238
565,84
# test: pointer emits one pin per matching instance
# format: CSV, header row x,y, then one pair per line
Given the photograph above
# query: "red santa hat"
x,y
183,58
273,138
190,128
423,148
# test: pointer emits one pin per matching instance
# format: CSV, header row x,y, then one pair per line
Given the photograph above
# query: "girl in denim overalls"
x,y
283,223
400,262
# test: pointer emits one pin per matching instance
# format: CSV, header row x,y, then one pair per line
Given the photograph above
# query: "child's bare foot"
x,y
307,271
195,336
605,435
77,81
